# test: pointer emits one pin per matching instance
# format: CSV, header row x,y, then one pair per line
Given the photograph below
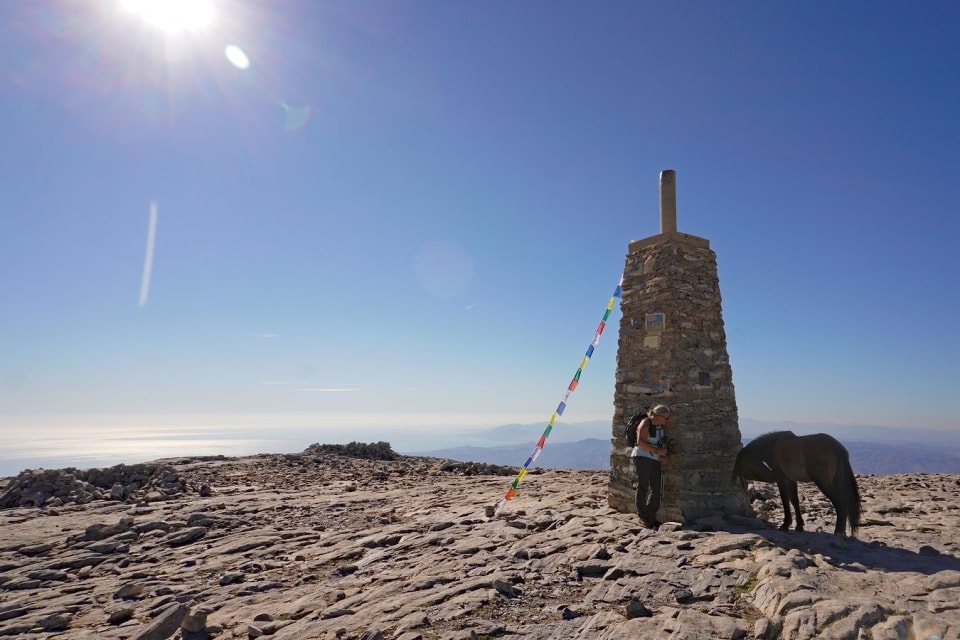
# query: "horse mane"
x,y
762,445
768,437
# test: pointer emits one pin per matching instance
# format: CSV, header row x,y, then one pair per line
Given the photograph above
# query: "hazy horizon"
x,y
87,445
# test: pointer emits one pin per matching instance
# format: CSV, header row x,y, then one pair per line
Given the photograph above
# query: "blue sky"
x,y
412,214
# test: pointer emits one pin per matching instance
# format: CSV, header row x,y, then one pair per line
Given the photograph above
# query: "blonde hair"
x,y
659,410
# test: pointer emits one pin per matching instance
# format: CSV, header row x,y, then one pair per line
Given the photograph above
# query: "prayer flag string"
x,y
512,491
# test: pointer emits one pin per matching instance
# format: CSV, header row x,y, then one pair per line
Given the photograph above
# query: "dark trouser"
x,y
648,482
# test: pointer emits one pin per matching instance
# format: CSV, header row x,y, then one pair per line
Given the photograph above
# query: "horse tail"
x,y
847,483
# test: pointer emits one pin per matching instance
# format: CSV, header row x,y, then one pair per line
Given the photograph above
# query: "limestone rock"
x,y
280,547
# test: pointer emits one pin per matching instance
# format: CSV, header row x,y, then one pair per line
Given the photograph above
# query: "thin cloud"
x,y
268,336
327,389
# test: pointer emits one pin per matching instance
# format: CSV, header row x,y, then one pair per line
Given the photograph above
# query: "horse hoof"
x,y
839,543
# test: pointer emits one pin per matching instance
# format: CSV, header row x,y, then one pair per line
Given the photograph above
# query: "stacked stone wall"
x,y
678,358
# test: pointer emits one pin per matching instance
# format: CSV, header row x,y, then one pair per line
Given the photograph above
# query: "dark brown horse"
x,y
784,458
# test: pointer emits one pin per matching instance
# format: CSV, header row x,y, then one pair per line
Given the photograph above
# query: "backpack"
x,y
631,431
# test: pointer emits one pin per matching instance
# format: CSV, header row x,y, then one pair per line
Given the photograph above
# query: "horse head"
x,y
757,460
736,475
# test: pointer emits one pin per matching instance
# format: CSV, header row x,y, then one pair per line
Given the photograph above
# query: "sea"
x,y
93,447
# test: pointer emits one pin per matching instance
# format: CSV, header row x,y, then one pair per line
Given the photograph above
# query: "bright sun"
x,y
173,16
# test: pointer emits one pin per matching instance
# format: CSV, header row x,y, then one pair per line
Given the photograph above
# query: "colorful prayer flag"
x,y
563,403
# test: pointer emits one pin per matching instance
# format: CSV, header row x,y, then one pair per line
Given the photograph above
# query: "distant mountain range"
x,y
873,450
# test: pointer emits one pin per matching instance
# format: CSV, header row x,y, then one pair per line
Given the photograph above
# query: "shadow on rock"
x,y
851,554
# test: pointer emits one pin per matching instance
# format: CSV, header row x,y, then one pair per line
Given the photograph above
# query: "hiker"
x,y
648,455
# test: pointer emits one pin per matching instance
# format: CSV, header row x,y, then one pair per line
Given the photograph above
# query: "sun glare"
x,y
173,16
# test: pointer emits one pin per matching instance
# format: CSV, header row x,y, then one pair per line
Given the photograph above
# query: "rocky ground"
x,y
327,545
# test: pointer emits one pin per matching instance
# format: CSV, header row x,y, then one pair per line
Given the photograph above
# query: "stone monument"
x,y
673,350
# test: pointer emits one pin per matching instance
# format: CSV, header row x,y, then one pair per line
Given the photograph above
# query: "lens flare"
x,y
295,118
236,56
148,257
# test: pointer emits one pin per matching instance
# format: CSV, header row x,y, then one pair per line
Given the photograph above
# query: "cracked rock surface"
x,y
324,544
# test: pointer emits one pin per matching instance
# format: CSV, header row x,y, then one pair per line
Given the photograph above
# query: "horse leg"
x,y
840,529
838,505
783,484
795,498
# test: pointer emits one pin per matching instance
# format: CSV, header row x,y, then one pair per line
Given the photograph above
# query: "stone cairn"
x,y
148,482
673,350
